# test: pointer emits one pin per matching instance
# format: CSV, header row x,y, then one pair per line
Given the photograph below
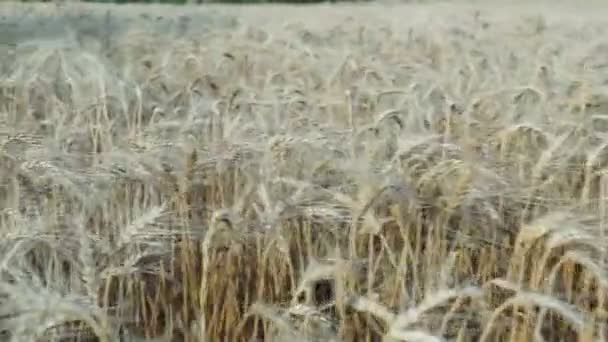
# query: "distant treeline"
x,y
222,1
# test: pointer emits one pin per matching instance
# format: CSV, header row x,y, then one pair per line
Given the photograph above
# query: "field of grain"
x,y
375,172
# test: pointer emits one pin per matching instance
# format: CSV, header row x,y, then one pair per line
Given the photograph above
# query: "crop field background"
x,y
349,172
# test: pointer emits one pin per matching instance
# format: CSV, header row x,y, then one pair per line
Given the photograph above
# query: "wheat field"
x,y
374,172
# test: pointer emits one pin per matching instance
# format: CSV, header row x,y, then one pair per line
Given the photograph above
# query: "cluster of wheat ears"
x,y
355,180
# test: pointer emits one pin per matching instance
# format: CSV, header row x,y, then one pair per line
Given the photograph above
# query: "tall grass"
x,y
359,179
